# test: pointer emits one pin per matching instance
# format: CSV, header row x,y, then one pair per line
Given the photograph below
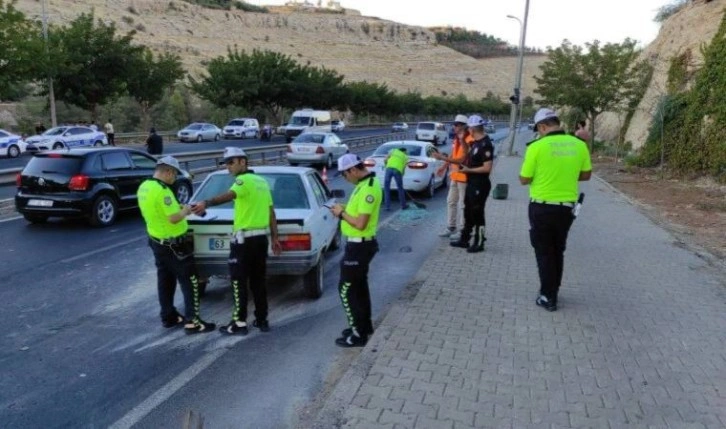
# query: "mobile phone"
x,y
327,206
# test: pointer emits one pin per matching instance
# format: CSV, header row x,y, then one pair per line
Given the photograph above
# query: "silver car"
x,y
316,148
198,132
305,226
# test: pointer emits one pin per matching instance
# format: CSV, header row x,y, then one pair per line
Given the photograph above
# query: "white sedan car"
x,y
198,132
420,174
66,137
306,228
11,145
399,126
316,148
337,126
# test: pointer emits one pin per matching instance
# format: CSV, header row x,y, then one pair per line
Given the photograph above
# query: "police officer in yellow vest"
x,y
173,252
359,221
395,166
254,218
552,166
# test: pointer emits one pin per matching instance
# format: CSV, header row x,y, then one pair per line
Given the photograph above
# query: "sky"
x,y
549,22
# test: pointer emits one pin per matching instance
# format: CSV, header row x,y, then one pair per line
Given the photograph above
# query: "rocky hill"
x,y
406,58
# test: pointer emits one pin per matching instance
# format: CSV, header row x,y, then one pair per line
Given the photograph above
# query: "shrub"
x,y
669,10
246,7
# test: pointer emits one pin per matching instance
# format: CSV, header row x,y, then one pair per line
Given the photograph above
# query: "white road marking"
x,y
11,219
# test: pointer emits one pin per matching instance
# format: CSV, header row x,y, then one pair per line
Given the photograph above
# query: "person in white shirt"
x,y
108,128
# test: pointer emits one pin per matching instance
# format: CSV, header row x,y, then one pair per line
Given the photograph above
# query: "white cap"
x,y
348,161
234,152
475,121
461,119
170,161
542,114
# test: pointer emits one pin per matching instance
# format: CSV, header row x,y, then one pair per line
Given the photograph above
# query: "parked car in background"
x,y
281,129
305,227
434,132
420,173
337,125
198,132
399,126
315,148
66,137
242,128
95,183
11,145
307,120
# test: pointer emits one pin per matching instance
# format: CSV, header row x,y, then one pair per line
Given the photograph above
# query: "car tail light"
x,y
369,162
417,165
289,148
79,182
18,180
320,150
54,155
293,242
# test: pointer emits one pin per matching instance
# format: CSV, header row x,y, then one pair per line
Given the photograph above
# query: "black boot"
x,y
463,240
479,239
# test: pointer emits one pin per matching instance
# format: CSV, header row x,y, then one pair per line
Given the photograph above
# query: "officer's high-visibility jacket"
x,y
457,151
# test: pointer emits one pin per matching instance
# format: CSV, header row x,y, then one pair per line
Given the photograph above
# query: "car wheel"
x,y
35,218
330,163
98,143
58,146
13,151
183,192
216,137
431,188
103,211
313,281
335,242
199,138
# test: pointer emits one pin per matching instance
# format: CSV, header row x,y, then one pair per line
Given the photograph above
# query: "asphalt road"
x,y
83,346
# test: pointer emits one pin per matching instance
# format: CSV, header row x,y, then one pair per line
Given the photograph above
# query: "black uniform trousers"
x,y
475,199
353,288
248,264
176,264
549,226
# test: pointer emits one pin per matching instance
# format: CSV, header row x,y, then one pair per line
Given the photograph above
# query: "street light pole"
x,y
51,93
516,101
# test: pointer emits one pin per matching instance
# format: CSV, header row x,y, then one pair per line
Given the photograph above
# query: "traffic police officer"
x,y
254,218
173,253
359,221
476,166
395,166
552,166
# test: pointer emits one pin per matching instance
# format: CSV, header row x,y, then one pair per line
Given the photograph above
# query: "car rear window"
x,y
65,165
310,138
411,150
426,126
287,190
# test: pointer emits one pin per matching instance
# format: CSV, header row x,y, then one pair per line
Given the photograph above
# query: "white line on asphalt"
x,y
12,218
102,249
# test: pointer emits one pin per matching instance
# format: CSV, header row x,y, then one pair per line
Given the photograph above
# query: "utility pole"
x,y
515,99
51,93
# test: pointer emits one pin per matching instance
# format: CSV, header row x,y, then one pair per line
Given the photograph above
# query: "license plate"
x,y
219,244
305,149
40,203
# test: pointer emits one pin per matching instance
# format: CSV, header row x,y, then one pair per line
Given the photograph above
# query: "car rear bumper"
x,y
304,158
62,205
292,265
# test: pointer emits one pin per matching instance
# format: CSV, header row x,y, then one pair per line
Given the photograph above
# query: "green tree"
x,y
21,51
594,80
92,64
150,77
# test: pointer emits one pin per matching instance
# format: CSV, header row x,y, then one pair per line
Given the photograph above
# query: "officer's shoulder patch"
x,y
238,181
487,154
370,199
167,201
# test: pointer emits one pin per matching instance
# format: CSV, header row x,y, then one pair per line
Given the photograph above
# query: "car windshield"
x,y
55,131
300,120
310,138
236,123
411,150
426,126
287,190
195,127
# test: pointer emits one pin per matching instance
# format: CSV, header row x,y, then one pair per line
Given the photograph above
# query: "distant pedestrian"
x,y
552,166
457,185
108,128
154,143
40,128
477,166
581,131
395,167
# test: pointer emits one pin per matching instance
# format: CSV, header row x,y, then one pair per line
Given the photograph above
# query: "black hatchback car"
x,y
95,183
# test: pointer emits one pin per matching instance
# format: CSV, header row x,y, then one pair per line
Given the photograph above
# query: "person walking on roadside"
x,y
395,166
154,143
359,221
167,228
552,167
108,128
477,166
457,184
254,218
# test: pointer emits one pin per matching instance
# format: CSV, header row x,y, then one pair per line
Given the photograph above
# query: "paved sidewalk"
x,y
639,339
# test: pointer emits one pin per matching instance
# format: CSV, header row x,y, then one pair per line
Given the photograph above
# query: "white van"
x,y
434,132
307,120
241,128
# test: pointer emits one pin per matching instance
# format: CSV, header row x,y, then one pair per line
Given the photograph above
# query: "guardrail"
x,y
258,155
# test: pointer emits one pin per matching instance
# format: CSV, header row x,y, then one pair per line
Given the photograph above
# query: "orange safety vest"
x,y
456,152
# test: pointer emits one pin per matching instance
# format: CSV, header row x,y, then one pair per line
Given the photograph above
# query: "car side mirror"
x,y
337,193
